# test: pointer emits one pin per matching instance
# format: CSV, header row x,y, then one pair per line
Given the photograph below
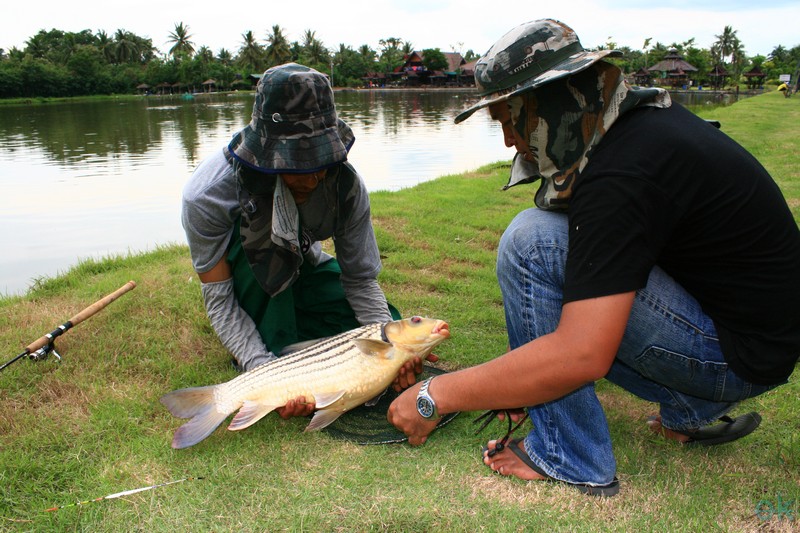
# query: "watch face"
x,y
425,407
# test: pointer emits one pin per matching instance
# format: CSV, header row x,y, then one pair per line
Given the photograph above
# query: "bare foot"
x,y
506,462
654,423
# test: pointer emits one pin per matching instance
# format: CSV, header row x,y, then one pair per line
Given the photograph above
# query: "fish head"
x,y
415,336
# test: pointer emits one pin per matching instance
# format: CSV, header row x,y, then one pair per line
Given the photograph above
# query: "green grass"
x,y
93,425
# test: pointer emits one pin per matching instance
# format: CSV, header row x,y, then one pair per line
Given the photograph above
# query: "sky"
x,y
450,25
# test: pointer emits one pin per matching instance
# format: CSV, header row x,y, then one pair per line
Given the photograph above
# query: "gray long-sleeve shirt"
x,y
211,209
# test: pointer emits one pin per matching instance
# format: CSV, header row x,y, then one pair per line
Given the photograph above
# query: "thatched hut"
x,y
674,69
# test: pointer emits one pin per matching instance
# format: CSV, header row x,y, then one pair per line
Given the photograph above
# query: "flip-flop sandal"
x,y
592,490
729,430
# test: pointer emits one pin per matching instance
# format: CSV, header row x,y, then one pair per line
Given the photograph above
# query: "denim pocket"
x,y
703,379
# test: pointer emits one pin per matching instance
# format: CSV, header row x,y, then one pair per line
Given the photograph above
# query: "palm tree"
x,y
644,49
106,45
205,54
125,49
367,53
278,50
224,57
181,39
779,54
251,56
391,54
726,43
36,46
314,52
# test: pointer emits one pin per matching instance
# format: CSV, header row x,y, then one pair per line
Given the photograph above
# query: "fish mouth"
x,y
442,329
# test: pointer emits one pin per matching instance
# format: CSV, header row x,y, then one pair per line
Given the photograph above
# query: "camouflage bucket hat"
x,y
527,57
294,127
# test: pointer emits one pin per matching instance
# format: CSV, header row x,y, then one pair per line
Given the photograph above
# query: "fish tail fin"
x,y
198,404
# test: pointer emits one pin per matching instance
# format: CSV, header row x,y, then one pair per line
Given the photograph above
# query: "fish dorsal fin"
x,y
323,400
250,413
372,346
323,418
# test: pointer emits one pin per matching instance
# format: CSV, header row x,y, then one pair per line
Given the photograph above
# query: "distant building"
x,y
755,78
673,69
718,77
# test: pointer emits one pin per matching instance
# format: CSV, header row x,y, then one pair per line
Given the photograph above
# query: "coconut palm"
x,y
726,42
251,55
391,53
125,49
106,45
367,53
224,57
182,45
314,52
278,50
205,54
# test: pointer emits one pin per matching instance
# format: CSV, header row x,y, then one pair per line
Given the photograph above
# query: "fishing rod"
x,y
39,349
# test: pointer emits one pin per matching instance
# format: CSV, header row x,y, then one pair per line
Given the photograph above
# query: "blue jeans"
x,y
669,354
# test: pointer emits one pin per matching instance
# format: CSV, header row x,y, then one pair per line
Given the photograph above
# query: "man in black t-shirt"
x,y
662,256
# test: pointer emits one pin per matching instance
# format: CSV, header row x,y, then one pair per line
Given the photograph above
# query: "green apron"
x,y
313,307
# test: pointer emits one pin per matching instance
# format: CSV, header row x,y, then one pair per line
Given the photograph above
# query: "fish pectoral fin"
x,y
250,413
372,346
323,418
374,401
326,399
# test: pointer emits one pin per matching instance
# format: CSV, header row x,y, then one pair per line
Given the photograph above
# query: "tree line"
x,y
56,63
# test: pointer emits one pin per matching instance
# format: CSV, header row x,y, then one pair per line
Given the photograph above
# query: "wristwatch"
x,y
426,407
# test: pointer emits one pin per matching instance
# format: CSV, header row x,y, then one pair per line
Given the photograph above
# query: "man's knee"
x,y
532,228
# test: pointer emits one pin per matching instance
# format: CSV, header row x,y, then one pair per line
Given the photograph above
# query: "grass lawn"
x,y
93,426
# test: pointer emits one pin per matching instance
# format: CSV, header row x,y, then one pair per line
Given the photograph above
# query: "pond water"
x,y
93,179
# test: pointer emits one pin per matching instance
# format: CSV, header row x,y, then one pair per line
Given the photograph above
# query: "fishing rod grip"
x,y
44,340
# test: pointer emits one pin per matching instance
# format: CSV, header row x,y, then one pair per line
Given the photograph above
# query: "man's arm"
x,y
580,350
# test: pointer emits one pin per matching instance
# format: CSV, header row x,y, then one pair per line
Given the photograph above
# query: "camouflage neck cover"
x,y
269,229
564,120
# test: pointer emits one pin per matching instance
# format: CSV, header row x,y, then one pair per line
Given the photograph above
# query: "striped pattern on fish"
x,y
337,373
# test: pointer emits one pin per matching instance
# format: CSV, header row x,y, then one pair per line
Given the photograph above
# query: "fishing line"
x,y
121,494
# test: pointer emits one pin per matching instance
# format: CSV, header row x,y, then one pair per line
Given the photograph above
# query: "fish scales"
x,y
337,353
337,374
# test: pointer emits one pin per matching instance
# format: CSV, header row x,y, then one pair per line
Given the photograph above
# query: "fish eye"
x,y
416,320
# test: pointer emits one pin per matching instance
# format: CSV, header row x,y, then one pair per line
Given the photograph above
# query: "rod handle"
x,y
80,317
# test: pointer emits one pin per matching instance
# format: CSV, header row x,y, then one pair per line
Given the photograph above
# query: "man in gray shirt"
x,y
254,215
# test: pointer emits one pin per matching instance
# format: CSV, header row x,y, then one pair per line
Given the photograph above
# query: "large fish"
x,y
337,373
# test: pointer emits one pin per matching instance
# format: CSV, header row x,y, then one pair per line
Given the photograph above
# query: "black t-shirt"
x,y
666,188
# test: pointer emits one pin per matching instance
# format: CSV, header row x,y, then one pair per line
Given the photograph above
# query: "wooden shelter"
x,y
674,69
468,73
164,88
643,77
210,85
755,78
718,77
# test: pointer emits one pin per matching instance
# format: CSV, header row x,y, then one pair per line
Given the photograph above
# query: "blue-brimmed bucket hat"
x,y
527,57
294,127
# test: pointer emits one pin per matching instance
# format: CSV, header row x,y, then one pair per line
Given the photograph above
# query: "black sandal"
x,y
729,430
507,442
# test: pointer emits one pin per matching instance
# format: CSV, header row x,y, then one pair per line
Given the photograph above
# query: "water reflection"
x,y
91,179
